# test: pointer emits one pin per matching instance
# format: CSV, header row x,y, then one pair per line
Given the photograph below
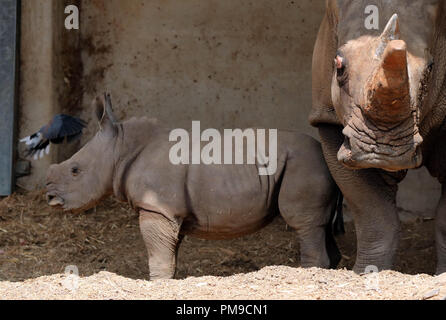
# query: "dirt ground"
x,y
38,243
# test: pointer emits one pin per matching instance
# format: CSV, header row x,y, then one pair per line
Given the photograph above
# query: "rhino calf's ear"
x,y
103,112
98,108
109,108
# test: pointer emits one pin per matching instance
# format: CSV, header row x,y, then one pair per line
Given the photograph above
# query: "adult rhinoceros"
x,y
379,102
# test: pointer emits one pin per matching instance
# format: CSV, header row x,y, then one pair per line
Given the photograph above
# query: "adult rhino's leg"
x,y
161,237
440,232
371,196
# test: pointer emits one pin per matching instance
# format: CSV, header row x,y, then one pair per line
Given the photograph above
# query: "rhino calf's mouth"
x,y
54,200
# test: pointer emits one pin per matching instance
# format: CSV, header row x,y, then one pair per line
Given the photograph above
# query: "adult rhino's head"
x,y
377,86
80,182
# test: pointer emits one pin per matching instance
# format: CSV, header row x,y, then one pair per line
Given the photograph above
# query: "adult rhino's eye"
x,y
75,171
341,66
339,62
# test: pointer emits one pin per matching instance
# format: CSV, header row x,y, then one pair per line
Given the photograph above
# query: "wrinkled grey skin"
x,y
130,159
379,102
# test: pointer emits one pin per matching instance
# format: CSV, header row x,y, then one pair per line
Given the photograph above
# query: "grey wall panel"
x,y
8,80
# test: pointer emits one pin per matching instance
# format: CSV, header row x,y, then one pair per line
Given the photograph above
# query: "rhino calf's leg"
x,y
440,232
161,237
307,198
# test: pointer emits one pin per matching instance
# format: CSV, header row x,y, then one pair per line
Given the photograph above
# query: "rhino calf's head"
x,y
81,181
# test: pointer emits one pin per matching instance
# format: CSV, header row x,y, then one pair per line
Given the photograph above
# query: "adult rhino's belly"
x,y
228,201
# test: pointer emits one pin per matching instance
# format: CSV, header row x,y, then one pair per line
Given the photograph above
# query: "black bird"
x,y
56,131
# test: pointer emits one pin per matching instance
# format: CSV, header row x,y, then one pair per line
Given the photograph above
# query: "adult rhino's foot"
x,y
377,247
382,260
364,268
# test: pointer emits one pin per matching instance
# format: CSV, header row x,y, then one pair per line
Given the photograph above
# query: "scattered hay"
x,y
37,240
269,283
37,243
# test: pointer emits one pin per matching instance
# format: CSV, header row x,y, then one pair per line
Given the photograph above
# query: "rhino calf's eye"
x,y
75,171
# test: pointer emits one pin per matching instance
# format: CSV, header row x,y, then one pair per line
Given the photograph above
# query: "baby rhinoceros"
x,y
130,159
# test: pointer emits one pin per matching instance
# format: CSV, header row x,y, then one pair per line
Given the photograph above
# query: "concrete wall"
x,y
227,63
37,82
50,77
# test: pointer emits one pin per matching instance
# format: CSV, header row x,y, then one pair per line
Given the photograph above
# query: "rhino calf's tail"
x,y
337,217
334,228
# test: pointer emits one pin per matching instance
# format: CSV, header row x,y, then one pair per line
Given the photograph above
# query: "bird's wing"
x,y
62,126
72,126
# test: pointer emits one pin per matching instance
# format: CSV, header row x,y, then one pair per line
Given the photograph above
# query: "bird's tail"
x,y
37,146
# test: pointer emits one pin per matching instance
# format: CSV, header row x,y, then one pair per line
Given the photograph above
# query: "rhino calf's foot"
x,y
161,237
312,238
314,256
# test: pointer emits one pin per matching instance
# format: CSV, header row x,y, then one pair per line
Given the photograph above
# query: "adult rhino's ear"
x,y
103,112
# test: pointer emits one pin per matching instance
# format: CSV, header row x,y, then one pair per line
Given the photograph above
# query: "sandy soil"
x,y
37,244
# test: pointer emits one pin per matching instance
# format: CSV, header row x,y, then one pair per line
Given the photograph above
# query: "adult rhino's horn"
x,y
395,58
388,93
391,32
